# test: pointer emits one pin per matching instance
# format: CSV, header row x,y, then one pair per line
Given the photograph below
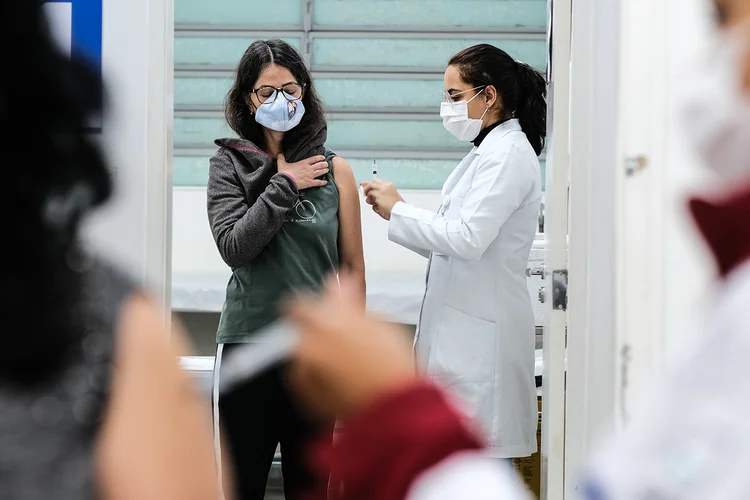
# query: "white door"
x,y
556,256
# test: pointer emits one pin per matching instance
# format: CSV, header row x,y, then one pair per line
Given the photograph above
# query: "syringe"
x,y
374,176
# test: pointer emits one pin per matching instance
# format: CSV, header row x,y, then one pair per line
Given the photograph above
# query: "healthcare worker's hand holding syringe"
x,y
382,196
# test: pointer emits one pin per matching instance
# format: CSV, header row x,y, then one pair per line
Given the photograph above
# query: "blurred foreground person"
x,y
690,438
403,438
688,441
92,401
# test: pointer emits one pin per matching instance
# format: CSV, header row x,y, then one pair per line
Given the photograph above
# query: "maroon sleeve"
x,y
723,223
385,447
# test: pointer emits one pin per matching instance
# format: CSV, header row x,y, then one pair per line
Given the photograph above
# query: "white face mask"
x,y
280,113
456,119
716,112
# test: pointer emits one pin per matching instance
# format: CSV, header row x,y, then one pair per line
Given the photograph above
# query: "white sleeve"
x,y
469,476
419,251
499,187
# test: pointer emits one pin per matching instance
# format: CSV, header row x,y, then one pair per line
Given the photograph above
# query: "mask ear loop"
x,y
475,95
485,109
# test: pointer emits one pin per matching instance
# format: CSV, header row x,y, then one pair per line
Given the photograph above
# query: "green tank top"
x,y
300,257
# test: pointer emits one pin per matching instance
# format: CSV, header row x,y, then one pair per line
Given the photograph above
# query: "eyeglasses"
x,y
268,93
452,97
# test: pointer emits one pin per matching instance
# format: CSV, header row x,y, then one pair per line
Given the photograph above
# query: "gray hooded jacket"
x,y
248,199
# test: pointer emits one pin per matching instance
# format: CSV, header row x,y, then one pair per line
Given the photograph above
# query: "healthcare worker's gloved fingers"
x,y
382,194
380,212
373,185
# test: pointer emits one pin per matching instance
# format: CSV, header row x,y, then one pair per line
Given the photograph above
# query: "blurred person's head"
x,y
495,87
715,102
273,89
54,174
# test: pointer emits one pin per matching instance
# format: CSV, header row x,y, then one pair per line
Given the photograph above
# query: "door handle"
x,y
535,271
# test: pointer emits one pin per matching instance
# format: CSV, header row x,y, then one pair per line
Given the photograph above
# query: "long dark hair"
x,y
54,173
258,55
521,88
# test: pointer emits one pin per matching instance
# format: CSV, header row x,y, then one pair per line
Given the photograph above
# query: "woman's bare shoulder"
x,y
342,171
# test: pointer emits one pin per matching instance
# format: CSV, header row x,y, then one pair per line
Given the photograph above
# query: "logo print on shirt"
x,y
305,210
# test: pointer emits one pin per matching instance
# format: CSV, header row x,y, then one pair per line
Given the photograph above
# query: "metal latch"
x,y
535,271
560,290
542,295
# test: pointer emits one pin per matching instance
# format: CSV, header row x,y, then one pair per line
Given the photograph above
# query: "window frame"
x,y
306,33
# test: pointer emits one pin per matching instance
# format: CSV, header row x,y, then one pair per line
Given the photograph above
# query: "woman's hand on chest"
x,y
305,173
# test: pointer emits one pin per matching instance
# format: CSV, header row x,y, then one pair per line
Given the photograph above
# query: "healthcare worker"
x,y
476,331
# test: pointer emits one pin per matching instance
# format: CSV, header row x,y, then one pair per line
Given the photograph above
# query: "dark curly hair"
x,y
258,55
55,174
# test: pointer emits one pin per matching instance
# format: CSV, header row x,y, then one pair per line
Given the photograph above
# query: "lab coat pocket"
x,y
463,357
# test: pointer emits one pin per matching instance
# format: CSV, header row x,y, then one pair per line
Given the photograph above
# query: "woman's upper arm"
x,y
242,229
156,438
351,253
226,200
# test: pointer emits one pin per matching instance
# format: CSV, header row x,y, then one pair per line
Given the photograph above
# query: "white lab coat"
x,y
476,329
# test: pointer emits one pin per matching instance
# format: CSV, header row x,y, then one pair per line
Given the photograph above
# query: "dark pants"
x,y
254,419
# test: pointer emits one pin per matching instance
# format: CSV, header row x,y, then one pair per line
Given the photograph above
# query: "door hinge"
x,y
560,290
